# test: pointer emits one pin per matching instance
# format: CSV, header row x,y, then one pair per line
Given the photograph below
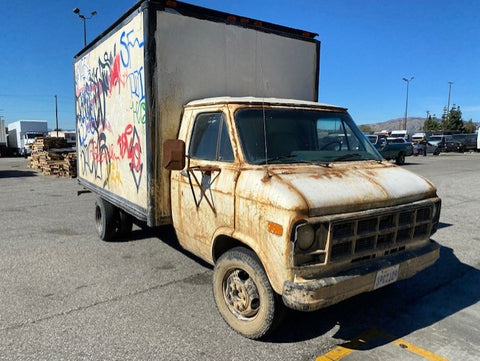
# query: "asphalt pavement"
x,y
65,295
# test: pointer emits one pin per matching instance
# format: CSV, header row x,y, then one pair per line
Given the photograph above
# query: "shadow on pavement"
x,y
444,225
165,234
17,173
393,311
397,310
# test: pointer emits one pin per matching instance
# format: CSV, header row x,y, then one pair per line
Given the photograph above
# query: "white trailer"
x,y
22,133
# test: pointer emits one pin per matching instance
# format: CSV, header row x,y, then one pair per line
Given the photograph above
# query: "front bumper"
x,y
312,295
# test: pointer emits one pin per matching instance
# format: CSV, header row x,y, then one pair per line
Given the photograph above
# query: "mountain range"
x,y
413,123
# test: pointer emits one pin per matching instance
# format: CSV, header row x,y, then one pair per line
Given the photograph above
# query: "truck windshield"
x,y
295,136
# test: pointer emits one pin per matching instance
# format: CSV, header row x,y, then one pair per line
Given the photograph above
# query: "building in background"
x,y
22,133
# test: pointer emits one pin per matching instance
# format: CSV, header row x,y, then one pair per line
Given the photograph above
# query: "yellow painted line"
x,y
363,339
335,355
349,347
418,350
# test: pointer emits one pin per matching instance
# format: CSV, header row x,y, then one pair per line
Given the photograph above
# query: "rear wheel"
x,y
125,223
105,221
400,159
243,294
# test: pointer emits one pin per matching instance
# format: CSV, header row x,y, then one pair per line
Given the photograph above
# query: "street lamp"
x,y
449,92
406,102
84,18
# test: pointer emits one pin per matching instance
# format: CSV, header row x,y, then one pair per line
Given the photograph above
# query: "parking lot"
x,y
65,295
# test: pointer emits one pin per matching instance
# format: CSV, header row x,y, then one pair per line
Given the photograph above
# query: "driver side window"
x,y
210,139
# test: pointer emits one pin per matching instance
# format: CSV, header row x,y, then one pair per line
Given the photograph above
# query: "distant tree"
x,y
470,127
431,124
366,128
452,120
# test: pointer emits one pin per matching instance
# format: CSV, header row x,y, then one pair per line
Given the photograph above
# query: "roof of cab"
x,y
262,101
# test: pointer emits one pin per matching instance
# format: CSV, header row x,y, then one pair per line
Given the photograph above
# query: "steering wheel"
x,y
335,145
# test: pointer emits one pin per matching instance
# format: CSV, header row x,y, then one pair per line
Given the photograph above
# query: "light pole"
x,y
84,18
449,92
406,102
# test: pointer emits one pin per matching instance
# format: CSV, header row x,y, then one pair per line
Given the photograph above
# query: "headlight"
x,y
305,236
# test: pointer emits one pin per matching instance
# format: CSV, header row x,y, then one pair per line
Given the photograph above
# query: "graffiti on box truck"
x,y
107,78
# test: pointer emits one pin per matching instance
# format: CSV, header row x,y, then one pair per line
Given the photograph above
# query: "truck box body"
x,y
22,133
132,82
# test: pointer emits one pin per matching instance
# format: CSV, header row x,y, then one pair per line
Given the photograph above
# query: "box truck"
x,y
22,134
210,122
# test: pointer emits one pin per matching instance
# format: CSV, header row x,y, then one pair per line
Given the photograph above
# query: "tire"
x,y
437,152
105,220
125,223
400,159
244,296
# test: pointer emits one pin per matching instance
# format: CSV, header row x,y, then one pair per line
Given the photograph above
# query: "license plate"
x,y
386,276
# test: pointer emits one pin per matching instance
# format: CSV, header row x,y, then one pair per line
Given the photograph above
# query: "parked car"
x,y
454,146
440,141
431,149
392,148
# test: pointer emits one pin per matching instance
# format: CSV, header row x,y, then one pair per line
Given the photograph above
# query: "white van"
x,y
405,134
418,136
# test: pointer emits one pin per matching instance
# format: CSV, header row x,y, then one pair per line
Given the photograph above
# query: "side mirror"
x,y
174,154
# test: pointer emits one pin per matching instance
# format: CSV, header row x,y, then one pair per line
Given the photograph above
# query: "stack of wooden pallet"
x,y
69,165
51,156
41,143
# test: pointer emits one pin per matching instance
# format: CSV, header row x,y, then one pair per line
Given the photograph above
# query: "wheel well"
x,y
224,243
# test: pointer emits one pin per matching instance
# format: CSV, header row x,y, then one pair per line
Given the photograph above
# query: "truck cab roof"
x,y
261,101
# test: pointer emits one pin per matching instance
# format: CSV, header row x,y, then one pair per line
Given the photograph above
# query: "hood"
x,y
352,186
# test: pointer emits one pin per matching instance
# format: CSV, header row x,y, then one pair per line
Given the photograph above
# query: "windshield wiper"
x,y
274,159
345,157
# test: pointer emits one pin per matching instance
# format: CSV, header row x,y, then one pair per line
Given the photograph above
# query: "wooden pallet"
x,y
49,156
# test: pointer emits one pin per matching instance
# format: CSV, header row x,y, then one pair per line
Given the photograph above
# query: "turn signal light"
x,y
275,228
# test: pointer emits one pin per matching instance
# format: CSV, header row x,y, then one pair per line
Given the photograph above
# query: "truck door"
x,y
203,195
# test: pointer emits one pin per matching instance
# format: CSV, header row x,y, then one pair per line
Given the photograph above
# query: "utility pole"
x,y
56,114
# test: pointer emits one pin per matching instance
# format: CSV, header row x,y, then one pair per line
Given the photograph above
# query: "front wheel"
x,y
400,159
243,294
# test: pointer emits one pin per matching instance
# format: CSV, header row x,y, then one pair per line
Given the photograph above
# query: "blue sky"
x,y
367,47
